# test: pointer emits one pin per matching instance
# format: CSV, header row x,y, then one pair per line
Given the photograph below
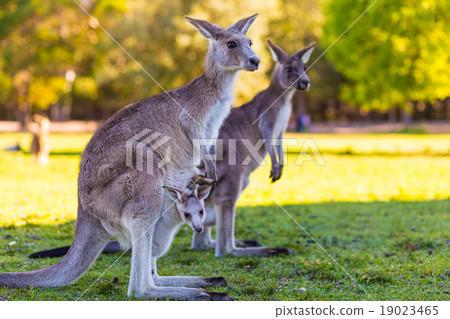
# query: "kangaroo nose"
x,y
198,229
255,61
304,84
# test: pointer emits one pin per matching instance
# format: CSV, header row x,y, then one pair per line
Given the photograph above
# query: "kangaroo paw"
x,y
217,281
279,251
260,251
247,243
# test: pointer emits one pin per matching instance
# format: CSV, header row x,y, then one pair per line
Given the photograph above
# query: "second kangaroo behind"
x,y
265,117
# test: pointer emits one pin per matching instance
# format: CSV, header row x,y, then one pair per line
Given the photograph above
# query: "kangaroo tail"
x,y
90,239
113,246
55,252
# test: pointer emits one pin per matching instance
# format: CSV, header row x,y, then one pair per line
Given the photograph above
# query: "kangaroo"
x,y
115,199
189,209
269,111
40,145
271,122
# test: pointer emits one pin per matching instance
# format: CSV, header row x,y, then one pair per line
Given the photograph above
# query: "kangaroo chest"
x,y
282,120
215,118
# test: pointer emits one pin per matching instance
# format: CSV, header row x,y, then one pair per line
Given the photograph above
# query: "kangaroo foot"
x,y
247,243
260,251
279,251
217,281
181,293
189,281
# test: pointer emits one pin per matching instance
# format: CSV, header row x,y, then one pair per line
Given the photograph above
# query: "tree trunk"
x,y
405,117
444,104
21,82
428,113
24,115
392,115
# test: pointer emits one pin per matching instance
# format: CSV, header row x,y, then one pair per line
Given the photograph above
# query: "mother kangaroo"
x,y
115,199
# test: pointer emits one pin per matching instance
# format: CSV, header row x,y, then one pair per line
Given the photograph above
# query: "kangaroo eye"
x,y
251,43
187,215
289,69
231,45
201,212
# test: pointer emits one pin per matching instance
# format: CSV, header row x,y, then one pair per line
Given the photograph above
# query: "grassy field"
x,y
380,207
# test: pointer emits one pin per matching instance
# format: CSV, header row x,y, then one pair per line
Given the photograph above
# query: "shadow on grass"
x,y
392,251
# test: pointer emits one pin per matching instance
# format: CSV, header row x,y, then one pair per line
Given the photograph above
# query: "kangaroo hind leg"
x,y
185,281
142,284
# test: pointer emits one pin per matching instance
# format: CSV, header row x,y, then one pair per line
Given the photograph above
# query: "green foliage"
x,y
85,87
23,10
5,86
397,52
46,91
47,38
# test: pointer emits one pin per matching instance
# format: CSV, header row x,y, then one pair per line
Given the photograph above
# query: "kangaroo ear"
x,y
207,29
203,191
173,193
305,53
278,55
244,24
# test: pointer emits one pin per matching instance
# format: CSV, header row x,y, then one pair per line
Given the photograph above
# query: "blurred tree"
x,y
398,52
52,55
43,41
40,42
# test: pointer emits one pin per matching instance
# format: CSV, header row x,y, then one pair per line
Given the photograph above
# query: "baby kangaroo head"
x,y
290,71
229,49
190,204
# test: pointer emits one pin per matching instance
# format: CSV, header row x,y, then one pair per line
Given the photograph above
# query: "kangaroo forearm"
x,y
272,154
279,149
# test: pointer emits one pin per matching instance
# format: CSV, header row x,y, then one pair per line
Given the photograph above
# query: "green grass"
x,y
381,211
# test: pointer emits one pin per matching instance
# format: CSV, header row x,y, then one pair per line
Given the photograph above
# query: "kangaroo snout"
x,y
253,63
198,229
303,84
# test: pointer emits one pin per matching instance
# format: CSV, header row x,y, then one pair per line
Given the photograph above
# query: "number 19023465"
x,y
409,310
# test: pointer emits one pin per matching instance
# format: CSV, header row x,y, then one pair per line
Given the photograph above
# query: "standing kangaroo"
x,y
265,117
114,199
